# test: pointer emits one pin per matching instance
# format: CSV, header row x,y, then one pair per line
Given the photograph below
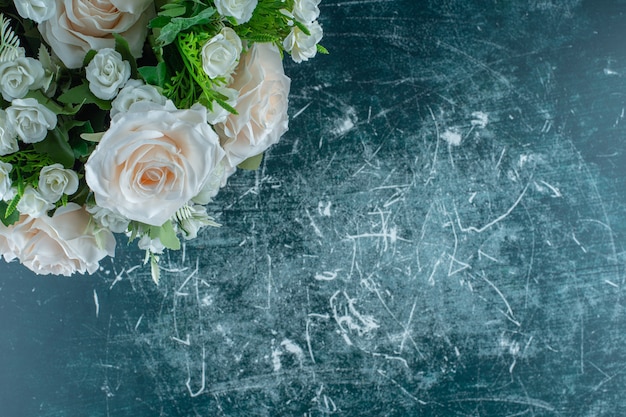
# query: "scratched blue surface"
x,y
440,233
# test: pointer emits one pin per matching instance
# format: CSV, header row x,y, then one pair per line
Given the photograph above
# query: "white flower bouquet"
x,y
128,116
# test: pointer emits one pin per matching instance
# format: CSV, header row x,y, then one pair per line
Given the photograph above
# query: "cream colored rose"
x,y
19,76
153,160
33,203
133,92
81,25
262,105
63,244
5,179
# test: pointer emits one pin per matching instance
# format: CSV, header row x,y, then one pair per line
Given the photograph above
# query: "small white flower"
x,y
302,46
31,119
37,10
220,54
8,135
219,114
33,203
241,10
151,245
19,76
133,92
54,181
306,11
109,219
107,73
5,180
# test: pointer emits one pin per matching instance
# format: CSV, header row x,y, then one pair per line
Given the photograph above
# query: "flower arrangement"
x,y
128,116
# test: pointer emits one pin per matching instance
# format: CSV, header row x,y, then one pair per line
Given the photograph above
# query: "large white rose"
x,y
301,46
153,160
31,119
19,76
262,104
37,10
54,181
107,73
8,135
306,11
220,54
133,92
81,25
63,244
241,10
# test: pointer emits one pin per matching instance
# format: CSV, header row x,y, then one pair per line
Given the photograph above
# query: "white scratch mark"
x,y
404,391
186,342
95,300
578,243
611,283
203,380
509,313
327,275
316,229
299,112
138,322
480,120
555,191
491,223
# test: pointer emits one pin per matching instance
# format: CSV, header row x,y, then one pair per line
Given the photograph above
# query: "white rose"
x,y
133,92
306,11
107,73
54,181
302,46
220,54
262,105
30,119
19,76
81,25
33,203
63,244
5,179
109,219
153,160
37,10
241,10
8,135
219,114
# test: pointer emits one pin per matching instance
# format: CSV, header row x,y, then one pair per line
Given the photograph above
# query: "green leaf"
x,y
45,101
156,75
154,268
9,219
159,21
180,24
321,49
168,236
173,10
12,206
251,163
121,46
92,137
82,95
57,147
89,56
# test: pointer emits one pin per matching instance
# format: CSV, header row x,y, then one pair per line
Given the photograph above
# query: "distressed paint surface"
x,y
441,232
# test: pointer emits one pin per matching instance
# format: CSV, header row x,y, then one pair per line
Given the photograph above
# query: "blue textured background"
x,y
440,233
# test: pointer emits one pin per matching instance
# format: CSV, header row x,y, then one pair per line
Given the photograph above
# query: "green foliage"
x,y
121,46
81,94
252,163
8,217
9,42
177,25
